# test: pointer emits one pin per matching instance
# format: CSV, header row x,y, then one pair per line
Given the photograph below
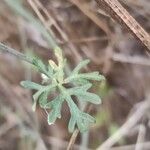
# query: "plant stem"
x,y
6,49
73,139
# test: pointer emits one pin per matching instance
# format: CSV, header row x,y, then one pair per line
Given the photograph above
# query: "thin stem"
x,y
6,49
73,139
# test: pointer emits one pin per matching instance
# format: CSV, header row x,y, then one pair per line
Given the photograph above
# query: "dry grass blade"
x,y
49,21
120,14
141,137
127,126
6,49
145,146
133,60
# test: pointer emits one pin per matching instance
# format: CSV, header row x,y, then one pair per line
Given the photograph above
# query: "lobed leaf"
x,y
82,94
82,120
55,106
79,118
42,92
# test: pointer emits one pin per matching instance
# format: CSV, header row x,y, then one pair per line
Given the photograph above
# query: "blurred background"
x,y
83,31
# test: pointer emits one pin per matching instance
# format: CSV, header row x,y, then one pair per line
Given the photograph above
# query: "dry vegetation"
x,y
83,31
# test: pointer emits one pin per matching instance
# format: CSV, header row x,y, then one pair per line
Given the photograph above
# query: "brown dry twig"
x,y
131,59
121,15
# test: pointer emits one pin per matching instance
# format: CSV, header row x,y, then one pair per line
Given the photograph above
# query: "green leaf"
x,y
50,70
80,66
82,94
45,90
79,88
80,81
90,97
43,99
39,65
31,85
91,76
35,98
47,70
79,118
60,75
82,120
55,106
86,76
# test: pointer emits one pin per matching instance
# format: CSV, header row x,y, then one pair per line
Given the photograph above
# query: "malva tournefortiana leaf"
x,y
54,81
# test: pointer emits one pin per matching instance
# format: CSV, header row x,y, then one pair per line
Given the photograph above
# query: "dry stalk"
x,y
9,50
121,15
127,126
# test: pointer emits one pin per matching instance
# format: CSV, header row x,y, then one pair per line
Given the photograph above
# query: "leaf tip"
x,y
50,123
34,107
